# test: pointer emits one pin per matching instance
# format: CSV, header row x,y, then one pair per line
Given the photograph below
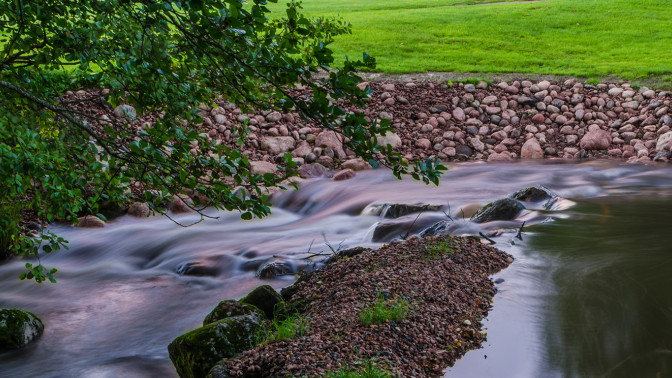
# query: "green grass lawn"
x,y
629,39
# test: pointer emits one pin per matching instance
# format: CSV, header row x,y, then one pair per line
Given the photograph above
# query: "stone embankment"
x,y
503,122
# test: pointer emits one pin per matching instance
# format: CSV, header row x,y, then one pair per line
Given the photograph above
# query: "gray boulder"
x,y
18,328
501,209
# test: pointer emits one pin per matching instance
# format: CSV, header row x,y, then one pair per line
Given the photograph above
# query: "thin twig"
x,y
408,230
487,238
520,231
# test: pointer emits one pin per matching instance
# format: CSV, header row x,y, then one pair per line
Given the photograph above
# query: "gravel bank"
x,y
444,281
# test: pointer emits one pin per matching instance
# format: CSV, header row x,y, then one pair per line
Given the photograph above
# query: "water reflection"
x,y
610,313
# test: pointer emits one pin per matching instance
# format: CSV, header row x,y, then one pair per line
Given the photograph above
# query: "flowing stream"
x,y
588,294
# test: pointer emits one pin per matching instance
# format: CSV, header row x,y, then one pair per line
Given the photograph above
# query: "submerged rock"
x,y
501,209
276,268
263,297
196,352
230,308
398,210
537,194
401,228
18,328
532,194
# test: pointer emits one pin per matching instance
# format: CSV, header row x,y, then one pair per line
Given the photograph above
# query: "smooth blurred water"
x,y
586,296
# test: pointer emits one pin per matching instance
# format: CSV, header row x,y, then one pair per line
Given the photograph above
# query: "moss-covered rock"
x,y
501,209
18,328
230,308
196,352
219,371
263,297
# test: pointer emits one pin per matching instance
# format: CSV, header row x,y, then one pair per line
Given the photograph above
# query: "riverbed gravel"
x,y
445,283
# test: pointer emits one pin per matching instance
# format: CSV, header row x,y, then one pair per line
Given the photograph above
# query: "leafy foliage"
x,y
168,57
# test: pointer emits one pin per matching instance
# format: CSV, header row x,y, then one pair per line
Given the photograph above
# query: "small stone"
x,y
90,221
423,143
459,115
274,117
138,210
345,174
531,150
125,112
596,140
262,167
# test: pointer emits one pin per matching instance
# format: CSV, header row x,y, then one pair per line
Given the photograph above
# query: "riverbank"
x,y
451,121
442,283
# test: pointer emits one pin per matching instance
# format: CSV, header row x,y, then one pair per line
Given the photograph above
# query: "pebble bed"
x,y
443,280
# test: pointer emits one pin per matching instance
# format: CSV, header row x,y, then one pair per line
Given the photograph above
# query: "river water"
x,y
588,295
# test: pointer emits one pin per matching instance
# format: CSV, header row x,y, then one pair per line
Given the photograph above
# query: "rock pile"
x,y
475,122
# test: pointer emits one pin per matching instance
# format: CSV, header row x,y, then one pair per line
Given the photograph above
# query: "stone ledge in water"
x,y
196,352
18,328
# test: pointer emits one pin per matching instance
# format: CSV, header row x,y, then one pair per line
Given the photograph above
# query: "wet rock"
x,y
537,194
533,194
343,175
18,328
90,221
398,210
196,352
501,209
180,204
276,269
499,156
230,308
198,269
356,164
400,228
138,210
263,297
